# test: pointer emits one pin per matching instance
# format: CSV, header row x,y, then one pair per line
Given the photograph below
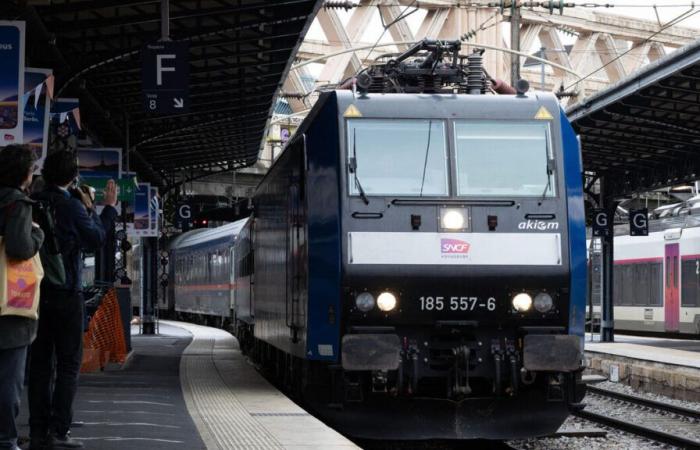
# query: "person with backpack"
x,y
72,226
22,240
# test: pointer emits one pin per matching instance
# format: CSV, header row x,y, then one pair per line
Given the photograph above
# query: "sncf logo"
x,y
454,246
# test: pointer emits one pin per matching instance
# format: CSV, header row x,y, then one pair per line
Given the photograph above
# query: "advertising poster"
x,y
100,163
154,206
11,82
142,215
128,205
126,187
36,113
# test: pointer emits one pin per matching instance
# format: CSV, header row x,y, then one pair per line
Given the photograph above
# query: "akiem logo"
x,y
454,246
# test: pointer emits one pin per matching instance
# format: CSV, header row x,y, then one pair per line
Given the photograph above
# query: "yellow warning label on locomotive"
x,y
352,111
543,114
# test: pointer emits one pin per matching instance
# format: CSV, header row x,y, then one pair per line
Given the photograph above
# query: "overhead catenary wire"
x,y
400,17
486,46
669,24
346,5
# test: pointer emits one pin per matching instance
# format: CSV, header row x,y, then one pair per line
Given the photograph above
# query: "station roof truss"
x,y
643,133
240,52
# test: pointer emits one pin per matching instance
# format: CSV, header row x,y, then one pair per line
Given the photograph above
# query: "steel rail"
x,y
663,406
633,428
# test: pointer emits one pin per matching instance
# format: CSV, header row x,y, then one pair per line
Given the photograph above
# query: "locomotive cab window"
x,y
497,159
397,157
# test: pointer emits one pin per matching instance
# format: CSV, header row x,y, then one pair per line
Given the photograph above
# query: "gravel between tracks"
x,y
617,387
614,440
617,439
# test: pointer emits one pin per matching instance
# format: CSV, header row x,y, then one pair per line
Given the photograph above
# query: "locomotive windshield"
x,y
503,159
397,157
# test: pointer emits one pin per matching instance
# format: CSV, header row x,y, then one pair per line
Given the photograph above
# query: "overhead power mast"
x,y
514,42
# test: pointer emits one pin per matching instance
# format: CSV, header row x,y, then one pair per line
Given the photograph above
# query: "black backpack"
x,y
50,252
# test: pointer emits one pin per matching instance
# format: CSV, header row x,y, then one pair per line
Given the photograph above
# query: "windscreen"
x,y
503,159
397,157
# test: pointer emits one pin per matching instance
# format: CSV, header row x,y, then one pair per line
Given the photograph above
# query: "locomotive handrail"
x,y
465,202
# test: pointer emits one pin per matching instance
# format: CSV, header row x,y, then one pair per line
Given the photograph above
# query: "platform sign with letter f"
x,y
165,75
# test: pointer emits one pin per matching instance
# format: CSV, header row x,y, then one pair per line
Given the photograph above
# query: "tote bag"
x,y
19,285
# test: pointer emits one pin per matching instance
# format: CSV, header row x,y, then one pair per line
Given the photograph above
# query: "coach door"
x,y
671,297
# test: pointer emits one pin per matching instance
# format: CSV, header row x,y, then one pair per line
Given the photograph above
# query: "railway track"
x,y
685,422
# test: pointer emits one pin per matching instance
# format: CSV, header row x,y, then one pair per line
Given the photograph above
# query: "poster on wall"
x,y
36,112
141,224
154,208
11,82
128,205
105,163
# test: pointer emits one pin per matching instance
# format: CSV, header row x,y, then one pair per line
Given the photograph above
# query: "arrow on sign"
x,y
179,103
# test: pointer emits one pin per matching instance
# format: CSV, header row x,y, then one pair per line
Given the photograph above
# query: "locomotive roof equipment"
x,y
429,67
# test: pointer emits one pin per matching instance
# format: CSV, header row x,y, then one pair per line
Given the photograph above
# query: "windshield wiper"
x,y
353,168
548,186
425,163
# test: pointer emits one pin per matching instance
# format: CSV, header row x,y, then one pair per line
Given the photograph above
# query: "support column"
x,y
149,284
105,257
607,316
165,20
515,42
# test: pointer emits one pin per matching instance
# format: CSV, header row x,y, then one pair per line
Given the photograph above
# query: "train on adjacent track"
x,y
656,285
415,266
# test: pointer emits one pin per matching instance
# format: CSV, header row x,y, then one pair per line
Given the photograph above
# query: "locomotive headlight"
x,y
364,301
386,301
452,219
543,302
522,302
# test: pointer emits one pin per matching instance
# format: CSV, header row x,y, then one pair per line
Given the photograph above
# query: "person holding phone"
x,y
77,228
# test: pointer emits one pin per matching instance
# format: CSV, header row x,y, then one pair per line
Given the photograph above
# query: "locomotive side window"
x,y
397,157
504,159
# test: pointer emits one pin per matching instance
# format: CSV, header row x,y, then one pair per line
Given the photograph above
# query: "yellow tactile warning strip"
x,y
233,407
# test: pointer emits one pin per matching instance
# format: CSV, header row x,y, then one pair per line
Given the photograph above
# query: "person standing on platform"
x,y
23,239
60,334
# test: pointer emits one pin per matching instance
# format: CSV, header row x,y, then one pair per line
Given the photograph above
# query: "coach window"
x,y
398,157
690,282
641,284
618,287
496,159
656,284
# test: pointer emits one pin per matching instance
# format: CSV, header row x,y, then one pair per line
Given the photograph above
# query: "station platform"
x,y
664,366
189,387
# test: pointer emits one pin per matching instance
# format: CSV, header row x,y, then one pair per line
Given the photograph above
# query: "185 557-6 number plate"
x,y
456,303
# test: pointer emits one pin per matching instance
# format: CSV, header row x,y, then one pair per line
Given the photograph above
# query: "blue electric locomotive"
x,y
416,261
416,265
